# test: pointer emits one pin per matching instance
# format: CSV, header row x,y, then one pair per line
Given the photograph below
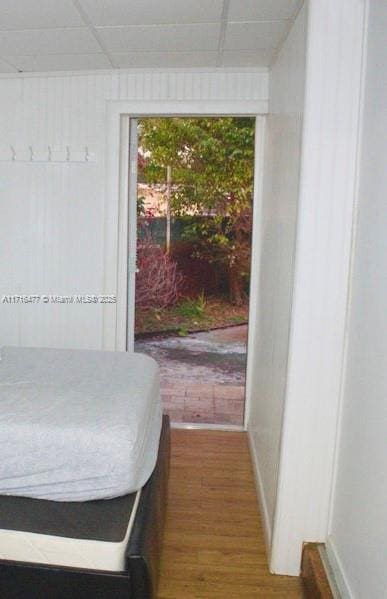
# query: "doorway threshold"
x,y
208,427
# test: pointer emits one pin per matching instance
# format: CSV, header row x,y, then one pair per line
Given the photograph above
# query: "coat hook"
x,y
13,153
86,154
49,153
67,154
31,153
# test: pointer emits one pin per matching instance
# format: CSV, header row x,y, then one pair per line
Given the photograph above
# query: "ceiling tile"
x,y
38,14
6,68
148,12
165,59
48,41
247,58
60,62
254,36
159,38
261,10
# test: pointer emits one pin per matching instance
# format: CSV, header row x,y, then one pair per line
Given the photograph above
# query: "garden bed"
x,y
190,315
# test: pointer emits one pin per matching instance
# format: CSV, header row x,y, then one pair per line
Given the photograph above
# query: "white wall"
x,y
358,537
278,227
330,142
52,215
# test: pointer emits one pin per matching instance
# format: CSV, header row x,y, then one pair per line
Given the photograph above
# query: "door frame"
x,y
119,114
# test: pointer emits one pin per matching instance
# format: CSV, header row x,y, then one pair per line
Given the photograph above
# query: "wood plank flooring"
x,y
213,545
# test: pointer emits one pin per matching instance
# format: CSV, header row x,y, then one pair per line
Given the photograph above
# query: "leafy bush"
x,y
212,166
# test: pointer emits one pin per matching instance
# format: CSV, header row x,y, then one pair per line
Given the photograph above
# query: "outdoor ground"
x,y
190,315
202,374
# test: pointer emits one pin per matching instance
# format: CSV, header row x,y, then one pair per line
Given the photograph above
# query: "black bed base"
x,y
19,580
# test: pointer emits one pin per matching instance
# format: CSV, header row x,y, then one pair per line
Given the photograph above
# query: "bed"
x,y
77,425
73,535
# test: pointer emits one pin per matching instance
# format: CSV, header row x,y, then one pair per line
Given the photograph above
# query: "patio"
x,y
202,375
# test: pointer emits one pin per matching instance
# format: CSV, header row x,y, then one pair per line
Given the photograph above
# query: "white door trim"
x,y
116,221
256,247
131,188
116,194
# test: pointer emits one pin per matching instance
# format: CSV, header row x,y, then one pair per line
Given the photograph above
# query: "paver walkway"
x,y
202,375
206,403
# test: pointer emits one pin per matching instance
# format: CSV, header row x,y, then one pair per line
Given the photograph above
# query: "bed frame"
x,y
20,580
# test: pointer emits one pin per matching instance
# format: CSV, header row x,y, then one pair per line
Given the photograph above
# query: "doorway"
x,y
190,238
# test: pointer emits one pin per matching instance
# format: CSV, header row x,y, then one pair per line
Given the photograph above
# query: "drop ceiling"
x,y
55,35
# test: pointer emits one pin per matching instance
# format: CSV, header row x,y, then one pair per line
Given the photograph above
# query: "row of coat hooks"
x,y
48,154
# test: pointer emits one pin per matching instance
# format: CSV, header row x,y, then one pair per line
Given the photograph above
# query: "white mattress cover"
x,y
64,551
77,425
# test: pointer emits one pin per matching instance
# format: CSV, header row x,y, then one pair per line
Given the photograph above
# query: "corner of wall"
x,y
267,527
324,238
337,568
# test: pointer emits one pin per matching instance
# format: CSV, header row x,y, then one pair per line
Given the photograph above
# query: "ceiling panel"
x,y
160,38
47,35
261,10
148,12
48,41
60,62
254,36
6,68
165,59
38,14
247,58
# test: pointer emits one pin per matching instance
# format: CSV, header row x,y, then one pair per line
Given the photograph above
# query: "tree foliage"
x,y
212,175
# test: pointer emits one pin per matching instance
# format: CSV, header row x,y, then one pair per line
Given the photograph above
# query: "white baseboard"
x,y
261,494
336,565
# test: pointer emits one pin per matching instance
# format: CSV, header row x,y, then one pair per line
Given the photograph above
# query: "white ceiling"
x,y
55,35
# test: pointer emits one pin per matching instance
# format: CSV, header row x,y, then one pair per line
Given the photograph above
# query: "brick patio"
x,y
203,403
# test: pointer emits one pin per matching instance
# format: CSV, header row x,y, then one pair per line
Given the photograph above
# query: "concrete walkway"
x,y
202,375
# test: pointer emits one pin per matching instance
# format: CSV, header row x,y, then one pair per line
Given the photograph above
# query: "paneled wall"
x,y
52,189
276,270
357,543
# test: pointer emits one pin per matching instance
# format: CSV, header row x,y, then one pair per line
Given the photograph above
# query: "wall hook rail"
x,y
50,153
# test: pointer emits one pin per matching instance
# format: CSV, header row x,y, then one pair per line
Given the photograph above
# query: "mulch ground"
x,y
216,313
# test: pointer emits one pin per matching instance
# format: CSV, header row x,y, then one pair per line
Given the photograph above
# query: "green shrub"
x,y
192,308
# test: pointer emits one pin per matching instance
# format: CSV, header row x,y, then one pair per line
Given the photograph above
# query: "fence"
x,y
198,274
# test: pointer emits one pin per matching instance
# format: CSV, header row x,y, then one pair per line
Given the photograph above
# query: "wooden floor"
x,y
214,547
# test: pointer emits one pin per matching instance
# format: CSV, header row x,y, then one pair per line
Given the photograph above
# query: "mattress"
x,y
77,425
91,534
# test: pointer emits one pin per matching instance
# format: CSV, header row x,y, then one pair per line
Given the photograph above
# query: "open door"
x,y
132,232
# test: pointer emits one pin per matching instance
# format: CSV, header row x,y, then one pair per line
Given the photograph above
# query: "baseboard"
x,y
315,579
261,494
338,570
